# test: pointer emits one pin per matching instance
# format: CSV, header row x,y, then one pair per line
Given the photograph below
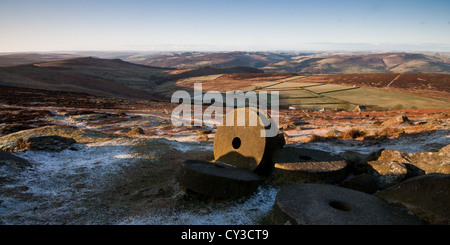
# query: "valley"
x,y
123,167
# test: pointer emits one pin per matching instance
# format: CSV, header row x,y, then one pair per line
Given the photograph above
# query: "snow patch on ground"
x,y
190,146
58,185
188,143
58,181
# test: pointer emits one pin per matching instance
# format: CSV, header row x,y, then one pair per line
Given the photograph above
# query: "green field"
x,y
316,96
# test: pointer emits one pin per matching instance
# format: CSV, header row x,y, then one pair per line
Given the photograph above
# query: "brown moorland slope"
x,y
14,59
229,82
52,79
97,62
103,77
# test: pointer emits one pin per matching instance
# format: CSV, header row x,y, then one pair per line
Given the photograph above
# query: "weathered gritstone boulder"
x,y
320,204
426,196
244,143
217,180
7,158
309,165
44,143
388,173
357,162
445,149
398,120
420,162
83,136
364,183
136,131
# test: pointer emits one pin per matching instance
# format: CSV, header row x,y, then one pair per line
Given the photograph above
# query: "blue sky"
x,y
51,25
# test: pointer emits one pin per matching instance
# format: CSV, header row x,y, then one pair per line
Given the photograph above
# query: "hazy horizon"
x,y
198,25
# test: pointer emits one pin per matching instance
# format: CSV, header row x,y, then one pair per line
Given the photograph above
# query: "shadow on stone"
x,y
44,143
217,180
309,165
319,204
427,196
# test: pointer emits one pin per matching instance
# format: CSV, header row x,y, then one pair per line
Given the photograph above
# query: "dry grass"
x,y
352,134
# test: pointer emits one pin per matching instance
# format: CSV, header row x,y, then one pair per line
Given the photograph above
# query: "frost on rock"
x,y
240,212
59,182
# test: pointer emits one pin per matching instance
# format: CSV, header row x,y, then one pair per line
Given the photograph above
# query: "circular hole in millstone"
x,y
236,143
341,206
303,157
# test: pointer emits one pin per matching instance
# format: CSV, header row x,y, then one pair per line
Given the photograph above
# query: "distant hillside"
x,y
94,76
31,58
103,77
305,63
302,63
424,74
188,60
364,63
92,62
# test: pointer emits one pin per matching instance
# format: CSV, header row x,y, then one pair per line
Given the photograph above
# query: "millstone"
x,y
321,204
217,180
246,146
309,165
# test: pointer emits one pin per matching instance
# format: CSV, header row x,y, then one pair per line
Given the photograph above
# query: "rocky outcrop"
x,y
390,167
388,173
136,131
44,143
359,108
430,162
420,162
365,183
426,196
357,163
82,136
398,120
7,158
11,168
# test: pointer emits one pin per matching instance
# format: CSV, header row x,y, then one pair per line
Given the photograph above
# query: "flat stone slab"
x,y
310,165
217,180
292,154
321,204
